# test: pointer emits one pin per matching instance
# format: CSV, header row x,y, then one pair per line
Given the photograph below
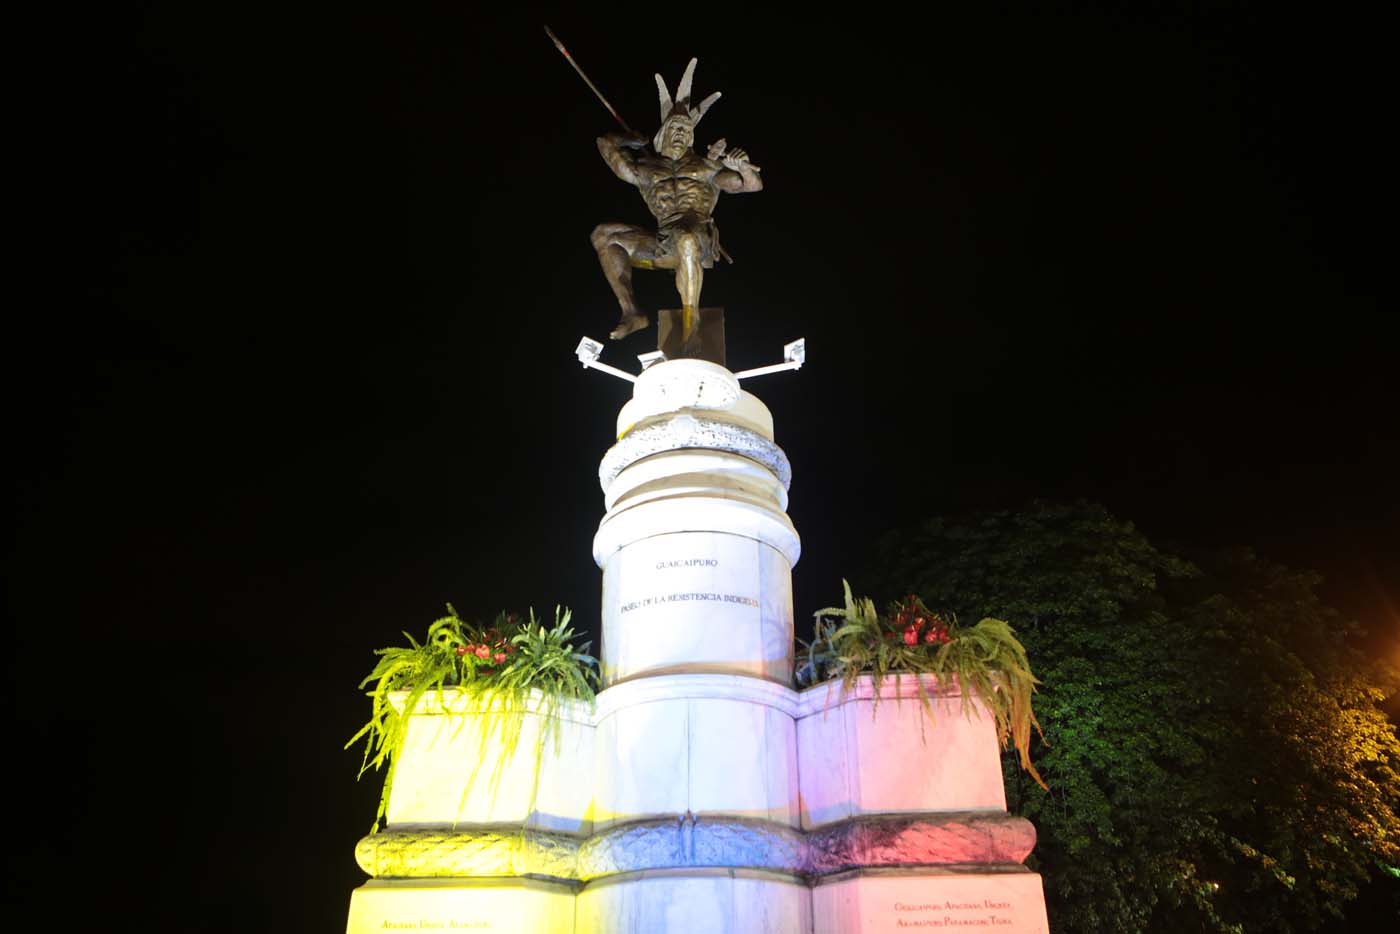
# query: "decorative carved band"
x,y
687,431
909,840
426,854
919,840
690,841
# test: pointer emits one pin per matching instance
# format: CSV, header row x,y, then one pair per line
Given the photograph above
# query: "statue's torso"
x,y
675,188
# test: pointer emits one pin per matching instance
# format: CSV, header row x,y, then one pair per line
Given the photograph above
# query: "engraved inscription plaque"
x,y
697,601
1008,902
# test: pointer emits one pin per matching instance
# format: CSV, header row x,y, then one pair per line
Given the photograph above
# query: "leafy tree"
x,y
1311,771
1215,750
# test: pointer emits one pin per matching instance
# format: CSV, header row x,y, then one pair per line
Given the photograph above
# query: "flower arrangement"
x,y
986,660
504,670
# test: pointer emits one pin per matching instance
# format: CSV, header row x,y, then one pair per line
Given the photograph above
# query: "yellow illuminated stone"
x,y
455,770
461,905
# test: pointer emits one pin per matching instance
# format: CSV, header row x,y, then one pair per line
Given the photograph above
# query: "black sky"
x,y
299,369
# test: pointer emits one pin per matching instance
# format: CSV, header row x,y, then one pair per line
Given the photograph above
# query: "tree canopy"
x,y
1215,748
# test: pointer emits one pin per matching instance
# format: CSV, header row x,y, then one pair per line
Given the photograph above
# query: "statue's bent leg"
x,y
690,275
690,271
616,244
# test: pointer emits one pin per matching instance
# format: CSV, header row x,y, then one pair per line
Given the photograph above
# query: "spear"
x,y
591,86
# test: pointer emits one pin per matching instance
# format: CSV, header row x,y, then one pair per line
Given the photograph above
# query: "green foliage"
x,y
502,672
1313,765
1216,753
985,660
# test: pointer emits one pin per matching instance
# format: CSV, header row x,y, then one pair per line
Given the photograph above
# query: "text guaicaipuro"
x,y
687,563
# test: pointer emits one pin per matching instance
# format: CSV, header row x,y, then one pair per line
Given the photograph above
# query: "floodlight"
x,y
588,350
794,355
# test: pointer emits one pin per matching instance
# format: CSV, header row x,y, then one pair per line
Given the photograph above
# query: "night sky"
x,y
300,366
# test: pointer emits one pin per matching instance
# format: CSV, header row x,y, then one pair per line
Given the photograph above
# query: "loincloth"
x,y
705,231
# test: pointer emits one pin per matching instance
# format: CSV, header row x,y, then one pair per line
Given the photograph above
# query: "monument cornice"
x,y
693,432
687,841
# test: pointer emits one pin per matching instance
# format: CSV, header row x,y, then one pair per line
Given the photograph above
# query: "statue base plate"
x,y
704,342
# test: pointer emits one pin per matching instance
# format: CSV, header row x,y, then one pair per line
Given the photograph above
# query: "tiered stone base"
x,y
719,900
703,802
462,905
701,793
714,900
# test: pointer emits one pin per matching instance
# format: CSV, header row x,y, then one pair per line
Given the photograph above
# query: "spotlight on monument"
x,y
794,355
588,351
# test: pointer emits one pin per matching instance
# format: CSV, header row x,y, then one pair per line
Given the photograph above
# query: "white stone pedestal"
x,y
701,793
502,905
450,774
716,901
696,549
696,601
866,755
708,745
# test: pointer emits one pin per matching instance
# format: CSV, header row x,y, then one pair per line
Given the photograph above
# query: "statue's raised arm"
x,y
681,189
619,151
740,175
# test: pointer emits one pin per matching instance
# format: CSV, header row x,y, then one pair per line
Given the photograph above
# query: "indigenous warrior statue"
x,y
680,189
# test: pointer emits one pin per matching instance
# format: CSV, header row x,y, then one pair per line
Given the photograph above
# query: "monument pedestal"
x,y
715,900
696,547
702,793
503,905
453,770
696,744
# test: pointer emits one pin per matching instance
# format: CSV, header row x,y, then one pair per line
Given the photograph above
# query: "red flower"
x,y
911,636
483,652
500,657
461,650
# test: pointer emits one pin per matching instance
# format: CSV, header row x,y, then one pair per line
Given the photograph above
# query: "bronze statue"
x,y
681,189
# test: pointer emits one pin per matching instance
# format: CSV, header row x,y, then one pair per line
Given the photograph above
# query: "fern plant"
x,y
986,660
501,672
